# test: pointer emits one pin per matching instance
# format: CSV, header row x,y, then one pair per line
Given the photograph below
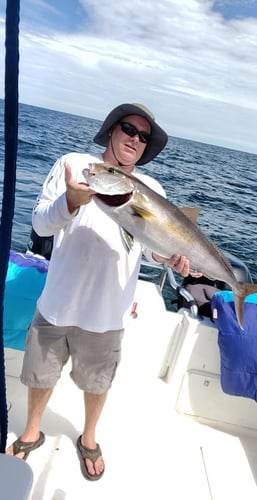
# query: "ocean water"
x,y
222,182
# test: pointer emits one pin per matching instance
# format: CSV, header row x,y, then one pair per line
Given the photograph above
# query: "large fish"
x,y
162,226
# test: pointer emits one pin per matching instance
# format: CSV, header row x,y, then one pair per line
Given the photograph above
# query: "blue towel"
x,y
238,348
24,283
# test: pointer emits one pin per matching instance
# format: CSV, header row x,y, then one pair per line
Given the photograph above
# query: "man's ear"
x,y
112,128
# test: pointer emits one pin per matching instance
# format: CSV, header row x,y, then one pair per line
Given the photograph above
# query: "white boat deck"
x,y
177,435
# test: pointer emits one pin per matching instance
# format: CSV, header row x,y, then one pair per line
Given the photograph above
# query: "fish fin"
x,y
142,212
191,213
127,239
245,290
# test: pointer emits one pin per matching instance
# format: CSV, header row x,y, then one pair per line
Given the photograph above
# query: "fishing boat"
x,y
167,426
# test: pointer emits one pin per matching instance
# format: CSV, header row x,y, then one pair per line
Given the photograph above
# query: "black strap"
x,y
9,182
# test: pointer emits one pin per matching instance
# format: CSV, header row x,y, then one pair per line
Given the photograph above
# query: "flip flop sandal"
x,y
93,455
20,446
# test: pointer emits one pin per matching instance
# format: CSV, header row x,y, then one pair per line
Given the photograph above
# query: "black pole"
x,y
9,182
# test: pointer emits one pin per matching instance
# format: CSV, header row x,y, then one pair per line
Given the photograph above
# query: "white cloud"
x,y
196,71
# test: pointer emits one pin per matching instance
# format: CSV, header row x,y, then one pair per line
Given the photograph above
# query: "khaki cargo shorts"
x,y
94,356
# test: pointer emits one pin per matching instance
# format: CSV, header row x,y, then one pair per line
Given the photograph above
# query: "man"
x,y
91,281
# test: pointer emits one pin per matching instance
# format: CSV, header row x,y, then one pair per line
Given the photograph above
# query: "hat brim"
x,y
158,139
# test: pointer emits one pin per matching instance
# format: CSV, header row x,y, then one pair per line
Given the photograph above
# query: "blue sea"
x,y
222,182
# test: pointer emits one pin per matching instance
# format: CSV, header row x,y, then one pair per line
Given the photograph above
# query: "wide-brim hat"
x,y
158,138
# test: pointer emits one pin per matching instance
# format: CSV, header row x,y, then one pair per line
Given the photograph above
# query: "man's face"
x,y
130,148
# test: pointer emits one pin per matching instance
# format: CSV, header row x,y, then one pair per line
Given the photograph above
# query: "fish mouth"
x,y
114,200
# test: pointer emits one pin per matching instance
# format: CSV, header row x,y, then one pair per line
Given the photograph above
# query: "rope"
x,y
9,182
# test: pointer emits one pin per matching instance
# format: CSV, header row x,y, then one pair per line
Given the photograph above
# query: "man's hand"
x,y
179,263
77,194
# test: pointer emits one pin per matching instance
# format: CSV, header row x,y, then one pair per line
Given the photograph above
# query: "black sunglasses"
x,y
131,130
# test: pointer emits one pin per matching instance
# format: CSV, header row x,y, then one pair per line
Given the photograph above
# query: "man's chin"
x,y
129,159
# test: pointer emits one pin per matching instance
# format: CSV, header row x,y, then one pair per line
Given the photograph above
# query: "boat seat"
x,y
16,478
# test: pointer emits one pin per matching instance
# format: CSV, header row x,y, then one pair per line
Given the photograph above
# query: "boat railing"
x,y
151,271
161,274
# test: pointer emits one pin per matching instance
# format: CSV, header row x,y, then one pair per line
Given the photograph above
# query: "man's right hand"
x,y
77,194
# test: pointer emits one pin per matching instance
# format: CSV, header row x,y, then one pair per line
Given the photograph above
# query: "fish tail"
x,y
240,294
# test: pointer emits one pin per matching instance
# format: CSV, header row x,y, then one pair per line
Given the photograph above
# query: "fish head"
x,y
106,179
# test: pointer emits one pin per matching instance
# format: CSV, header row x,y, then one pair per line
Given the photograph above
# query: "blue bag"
x,y
24,283
238,348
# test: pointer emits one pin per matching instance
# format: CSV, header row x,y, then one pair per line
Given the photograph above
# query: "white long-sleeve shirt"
x,y
91,278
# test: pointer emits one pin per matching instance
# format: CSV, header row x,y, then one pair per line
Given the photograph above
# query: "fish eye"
x,y
111,170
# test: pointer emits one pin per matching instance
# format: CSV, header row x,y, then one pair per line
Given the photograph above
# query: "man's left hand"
x,y
179,263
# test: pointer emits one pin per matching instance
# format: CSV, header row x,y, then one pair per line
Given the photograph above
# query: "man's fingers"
x,y
69,179
68,175
181,264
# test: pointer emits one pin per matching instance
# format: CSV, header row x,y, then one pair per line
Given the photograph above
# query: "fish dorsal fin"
x,y
191,213
127,239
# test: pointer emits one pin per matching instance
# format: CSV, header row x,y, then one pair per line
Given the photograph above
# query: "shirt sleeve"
x,y
50,213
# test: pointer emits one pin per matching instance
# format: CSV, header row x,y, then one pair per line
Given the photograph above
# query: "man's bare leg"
x,y
94,404
37,401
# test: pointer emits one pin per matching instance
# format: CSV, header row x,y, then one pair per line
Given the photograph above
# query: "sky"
x,y
192,62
